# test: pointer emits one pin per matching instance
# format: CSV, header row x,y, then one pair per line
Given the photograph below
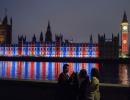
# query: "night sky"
x,y
75,19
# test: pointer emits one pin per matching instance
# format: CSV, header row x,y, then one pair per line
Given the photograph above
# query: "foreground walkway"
x,y
46,90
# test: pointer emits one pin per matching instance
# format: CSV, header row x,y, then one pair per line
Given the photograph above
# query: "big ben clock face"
x,y
125,28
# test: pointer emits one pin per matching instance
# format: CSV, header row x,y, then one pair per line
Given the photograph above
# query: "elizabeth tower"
x,y
124,36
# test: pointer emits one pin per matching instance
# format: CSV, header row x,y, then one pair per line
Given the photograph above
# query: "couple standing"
x,y
78,86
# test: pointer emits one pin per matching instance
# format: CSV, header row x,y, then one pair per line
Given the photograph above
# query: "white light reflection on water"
x,y
123,74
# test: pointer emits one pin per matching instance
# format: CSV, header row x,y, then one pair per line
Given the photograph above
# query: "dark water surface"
x,y
119,73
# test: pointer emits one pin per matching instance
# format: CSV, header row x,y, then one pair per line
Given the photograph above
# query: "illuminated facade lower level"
x,y
45,70
50,50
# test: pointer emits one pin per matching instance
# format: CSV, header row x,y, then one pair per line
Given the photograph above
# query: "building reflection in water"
x,y
50,71
123,74
39,70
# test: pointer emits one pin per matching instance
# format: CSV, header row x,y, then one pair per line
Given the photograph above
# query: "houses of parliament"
x,y
47,47
106,48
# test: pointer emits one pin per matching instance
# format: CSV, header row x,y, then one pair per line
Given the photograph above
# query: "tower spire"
x,y
41,37
5,29
124,18
48,27
91,38
5,20
34,38
48,37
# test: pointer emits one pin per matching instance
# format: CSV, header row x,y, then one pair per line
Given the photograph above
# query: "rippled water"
x,y
51,71
39,70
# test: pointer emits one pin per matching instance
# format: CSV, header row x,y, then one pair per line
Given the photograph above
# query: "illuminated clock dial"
x,y
125,27
124,41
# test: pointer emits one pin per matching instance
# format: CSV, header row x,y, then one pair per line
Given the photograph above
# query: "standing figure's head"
x,y
66,68
74,76
83,73
94,73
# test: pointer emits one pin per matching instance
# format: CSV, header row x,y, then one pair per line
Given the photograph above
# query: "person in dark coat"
x,y
64,84
74,86
64,77
84,85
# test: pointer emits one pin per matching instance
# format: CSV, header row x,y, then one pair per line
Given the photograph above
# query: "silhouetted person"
x,y
74,86
64,83
94,85
84,84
